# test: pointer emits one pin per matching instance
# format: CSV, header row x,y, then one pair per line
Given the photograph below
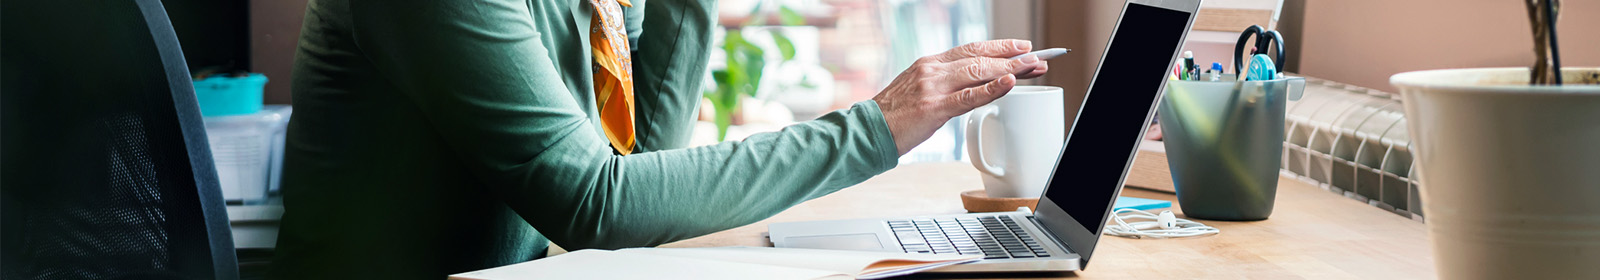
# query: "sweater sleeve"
x,y
674,44
478,73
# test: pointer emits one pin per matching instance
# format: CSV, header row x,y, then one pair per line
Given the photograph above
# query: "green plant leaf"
x,y
721,77
787,16
724,93
738,78
738,74
754,61
723,120
756,17
785,46
731,41
727,100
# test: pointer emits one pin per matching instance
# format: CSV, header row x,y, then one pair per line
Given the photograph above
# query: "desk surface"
x,y
1312,233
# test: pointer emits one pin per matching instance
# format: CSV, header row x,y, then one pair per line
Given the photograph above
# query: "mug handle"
x,y
975,140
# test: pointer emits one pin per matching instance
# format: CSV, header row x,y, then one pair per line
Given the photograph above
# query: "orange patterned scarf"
x,y
613,73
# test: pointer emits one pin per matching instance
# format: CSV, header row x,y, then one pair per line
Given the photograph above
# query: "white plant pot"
x,y
1510,173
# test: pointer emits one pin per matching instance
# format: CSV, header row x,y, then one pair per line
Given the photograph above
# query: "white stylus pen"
x,y
1045,53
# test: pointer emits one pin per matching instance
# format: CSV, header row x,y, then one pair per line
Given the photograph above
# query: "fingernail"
x,y
1022,45
1031,59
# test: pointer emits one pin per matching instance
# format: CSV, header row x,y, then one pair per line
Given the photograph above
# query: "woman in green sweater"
x,y
434,137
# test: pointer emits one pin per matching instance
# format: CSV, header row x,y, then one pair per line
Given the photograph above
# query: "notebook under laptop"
x,y
1061,234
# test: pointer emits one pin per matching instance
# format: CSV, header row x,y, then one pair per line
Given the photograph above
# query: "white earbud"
x,y
1167,220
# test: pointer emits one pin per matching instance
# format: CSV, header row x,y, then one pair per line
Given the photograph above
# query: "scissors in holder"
x,y
1264,38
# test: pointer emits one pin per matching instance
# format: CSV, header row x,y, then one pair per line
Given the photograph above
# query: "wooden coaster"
x,y
977,201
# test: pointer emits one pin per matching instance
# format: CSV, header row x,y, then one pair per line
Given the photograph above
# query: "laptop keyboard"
x,y
994,237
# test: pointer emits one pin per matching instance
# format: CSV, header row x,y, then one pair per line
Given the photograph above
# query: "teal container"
x,y
226,96
1224,144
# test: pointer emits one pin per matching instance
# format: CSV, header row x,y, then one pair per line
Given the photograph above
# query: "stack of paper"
x,y
720,263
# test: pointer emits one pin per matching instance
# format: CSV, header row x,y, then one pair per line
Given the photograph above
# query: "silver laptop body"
x,y
1062,233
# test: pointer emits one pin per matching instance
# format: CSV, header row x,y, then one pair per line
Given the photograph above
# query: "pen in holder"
x,y
1224,142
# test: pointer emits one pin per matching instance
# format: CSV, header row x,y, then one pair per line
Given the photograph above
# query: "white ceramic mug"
x,y
1510,173
1014,141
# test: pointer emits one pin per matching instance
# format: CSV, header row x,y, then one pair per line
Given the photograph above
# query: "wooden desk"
x,y
1312,233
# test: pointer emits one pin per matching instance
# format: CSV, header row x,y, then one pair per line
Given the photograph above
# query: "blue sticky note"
x,y
1140,203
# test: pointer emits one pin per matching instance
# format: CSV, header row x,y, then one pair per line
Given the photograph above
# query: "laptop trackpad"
x,y
858,241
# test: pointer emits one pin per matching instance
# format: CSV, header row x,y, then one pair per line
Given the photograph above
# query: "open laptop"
x,y
1061,234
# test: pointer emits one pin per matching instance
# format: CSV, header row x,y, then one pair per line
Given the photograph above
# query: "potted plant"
x,y
1509,163
745,63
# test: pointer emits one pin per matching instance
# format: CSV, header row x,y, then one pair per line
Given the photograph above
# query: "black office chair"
x,y
106,170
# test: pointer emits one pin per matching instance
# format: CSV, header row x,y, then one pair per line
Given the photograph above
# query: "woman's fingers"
x,y
980,70
1039,71
995,48
936,88
972,97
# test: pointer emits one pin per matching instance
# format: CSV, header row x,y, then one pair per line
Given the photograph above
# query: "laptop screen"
x,y
1109,125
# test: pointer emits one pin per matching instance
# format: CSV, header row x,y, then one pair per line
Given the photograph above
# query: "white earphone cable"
x,y
1165,225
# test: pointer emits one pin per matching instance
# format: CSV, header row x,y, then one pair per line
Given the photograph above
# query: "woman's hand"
x,y
942,86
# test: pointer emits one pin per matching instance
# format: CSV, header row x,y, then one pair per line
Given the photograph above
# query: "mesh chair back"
x,y
106,169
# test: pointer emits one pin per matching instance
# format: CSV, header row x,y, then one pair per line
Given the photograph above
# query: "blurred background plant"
x,y
827,55
746,62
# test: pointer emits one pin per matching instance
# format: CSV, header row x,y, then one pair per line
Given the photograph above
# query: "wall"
x,y
274,34
1363,42
1360,42
213,34
1016,19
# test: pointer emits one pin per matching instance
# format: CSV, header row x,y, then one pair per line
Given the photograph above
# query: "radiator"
x,y
1352,141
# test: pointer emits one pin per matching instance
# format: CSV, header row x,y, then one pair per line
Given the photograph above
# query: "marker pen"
x,y
1189,68
1216,71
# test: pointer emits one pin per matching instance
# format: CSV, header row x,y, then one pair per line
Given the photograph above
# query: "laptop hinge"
x,y
1050,235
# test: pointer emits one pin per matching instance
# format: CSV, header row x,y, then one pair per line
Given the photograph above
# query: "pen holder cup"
x,y
1224,143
